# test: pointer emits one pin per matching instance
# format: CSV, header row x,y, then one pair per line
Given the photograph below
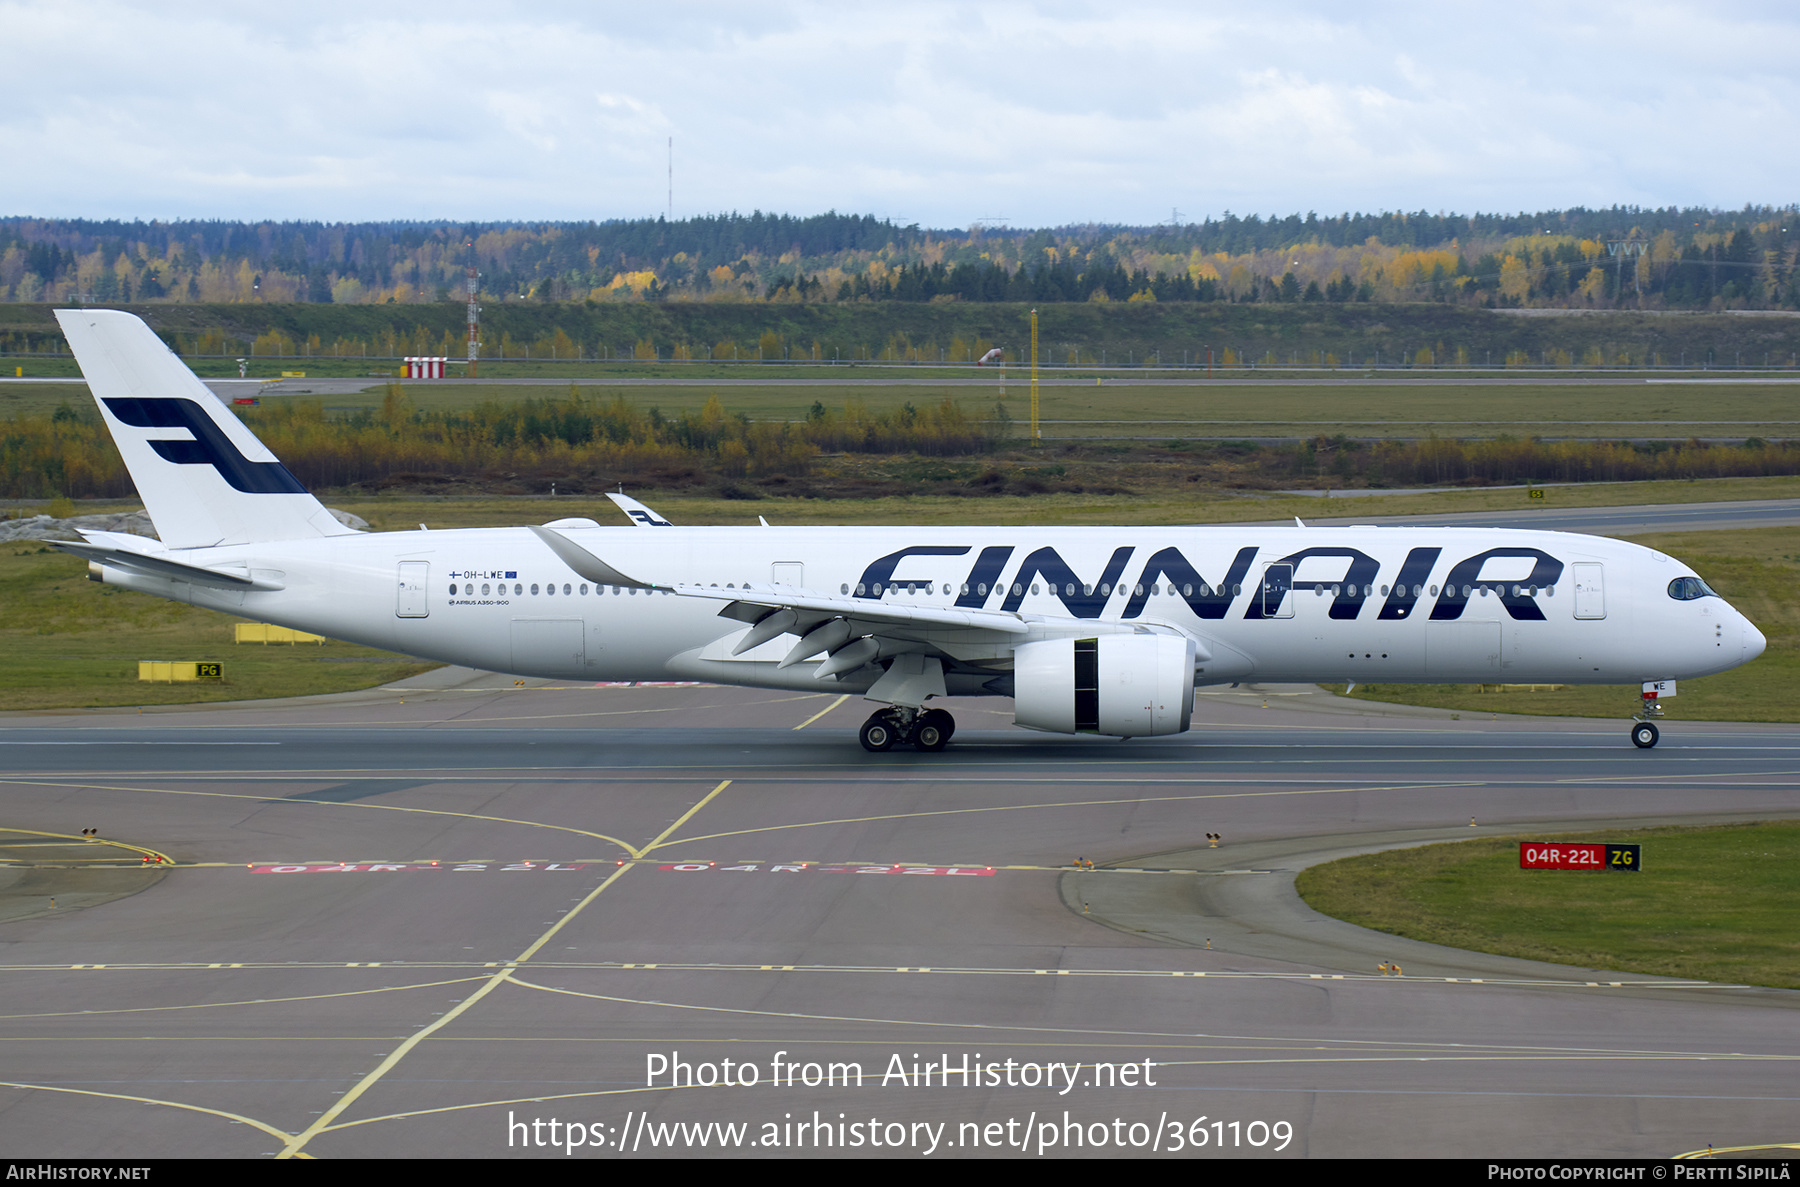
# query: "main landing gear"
x,y
929,731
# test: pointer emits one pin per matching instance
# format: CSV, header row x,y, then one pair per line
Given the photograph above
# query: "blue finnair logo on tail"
x,y
210,446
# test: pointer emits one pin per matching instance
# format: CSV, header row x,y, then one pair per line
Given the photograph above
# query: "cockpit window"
x,y
1686,589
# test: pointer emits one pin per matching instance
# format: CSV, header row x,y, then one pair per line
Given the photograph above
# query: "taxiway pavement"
x,y
596,897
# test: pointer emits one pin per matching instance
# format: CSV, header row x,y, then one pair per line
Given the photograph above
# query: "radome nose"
x,y
1753,641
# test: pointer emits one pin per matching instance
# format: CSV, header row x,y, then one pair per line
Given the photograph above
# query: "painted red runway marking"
x,y
399,867
698,867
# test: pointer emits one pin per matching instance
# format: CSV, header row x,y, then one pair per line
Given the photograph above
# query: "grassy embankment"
x,y
1274,334
1175,503
1143,408
71,643
757,441
1714,904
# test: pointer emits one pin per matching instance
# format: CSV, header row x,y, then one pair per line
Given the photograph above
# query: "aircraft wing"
x,y
758,600
853,631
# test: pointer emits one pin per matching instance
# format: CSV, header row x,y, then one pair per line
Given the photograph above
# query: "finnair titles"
x,y
1089,630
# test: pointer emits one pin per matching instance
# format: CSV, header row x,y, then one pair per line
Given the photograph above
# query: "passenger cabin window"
x,y
1686,589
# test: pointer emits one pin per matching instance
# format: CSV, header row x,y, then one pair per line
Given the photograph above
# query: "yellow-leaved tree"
x,y
1593,285
1515,279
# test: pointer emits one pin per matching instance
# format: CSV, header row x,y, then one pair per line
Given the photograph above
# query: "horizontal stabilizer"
x,y
152,564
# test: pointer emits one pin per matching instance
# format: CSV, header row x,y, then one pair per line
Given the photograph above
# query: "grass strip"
x,y
72,643
1713,903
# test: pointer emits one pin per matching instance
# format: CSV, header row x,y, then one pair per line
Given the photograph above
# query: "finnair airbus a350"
x,y
1090,630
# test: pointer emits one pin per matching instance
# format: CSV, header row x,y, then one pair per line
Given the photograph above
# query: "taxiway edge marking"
x,y
151,1100
685,817
823,712
298,1141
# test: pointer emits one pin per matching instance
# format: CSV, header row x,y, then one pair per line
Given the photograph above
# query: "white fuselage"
x,y
1263,603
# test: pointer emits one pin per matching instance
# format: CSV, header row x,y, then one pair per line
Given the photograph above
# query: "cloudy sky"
x,y
941,114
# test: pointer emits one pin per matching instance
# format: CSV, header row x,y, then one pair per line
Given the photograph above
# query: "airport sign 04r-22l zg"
x,y
1565,855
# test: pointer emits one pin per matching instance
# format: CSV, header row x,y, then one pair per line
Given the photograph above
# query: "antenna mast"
x,y
473,283
1036,438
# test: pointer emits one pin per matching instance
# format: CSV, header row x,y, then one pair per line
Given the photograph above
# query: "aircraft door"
x,y
548,646
411,602
1466,649
1590,590
788,573
1277,582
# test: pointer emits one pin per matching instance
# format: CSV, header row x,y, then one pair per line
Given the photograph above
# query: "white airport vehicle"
x,y
1090,630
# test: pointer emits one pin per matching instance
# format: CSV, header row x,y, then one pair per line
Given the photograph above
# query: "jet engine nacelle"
x,y
1125,686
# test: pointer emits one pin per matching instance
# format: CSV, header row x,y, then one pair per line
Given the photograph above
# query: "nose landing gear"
x,y
929,731
1644,732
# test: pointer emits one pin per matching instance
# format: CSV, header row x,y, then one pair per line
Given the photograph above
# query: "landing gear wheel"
x,y
1644,735
933,729
878,734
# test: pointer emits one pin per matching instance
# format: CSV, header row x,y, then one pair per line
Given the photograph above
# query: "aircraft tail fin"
x,y
639,514
203,476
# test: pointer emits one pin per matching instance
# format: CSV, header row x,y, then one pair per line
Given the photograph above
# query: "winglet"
x,y
586,563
